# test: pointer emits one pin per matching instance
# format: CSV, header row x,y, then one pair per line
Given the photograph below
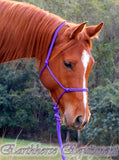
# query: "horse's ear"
x,y
74,31
93,31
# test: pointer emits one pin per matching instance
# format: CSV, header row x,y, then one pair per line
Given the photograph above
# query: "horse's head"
x,y
71,62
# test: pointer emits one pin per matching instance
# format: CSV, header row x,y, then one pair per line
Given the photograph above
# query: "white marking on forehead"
x,y
85,60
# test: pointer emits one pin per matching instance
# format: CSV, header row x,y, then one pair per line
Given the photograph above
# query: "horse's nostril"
x,y
78,122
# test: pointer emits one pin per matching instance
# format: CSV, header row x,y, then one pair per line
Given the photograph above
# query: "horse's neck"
x,y
25,31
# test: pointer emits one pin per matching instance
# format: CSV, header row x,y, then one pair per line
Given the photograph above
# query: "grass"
x,y
21,144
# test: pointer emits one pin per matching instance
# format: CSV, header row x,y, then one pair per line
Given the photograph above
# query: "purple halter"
x,y
66,90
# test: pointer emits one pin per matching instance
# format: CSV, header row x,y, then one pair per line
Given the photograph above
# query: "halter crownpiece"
x,y
66,90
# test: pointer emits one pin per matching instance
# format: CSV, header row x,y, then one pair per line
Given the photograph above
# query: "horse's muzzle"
x,y
78,123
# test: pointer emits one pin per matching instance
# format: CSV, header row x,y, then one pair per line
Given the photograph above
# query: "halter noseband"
x,y
66,90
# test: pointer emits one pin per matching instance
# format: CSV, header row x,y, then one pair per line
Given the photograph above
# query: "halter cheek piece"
x,y
66,90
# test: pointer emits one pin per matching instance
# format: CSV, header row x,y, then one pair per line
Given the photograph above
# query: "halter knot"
x,y
46,62
67,89
56,108
57,117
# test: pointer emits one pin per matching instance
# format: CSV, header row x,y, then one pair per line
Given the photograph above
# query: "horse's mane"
x,y
25,30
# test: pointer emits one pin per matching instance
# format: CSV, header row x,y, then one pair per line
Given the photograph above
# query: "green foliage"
x,y
24,103
105,115
104,67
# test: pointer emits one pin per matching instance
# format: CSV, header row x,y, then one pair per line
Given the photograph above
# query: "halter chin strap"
x,y
66,90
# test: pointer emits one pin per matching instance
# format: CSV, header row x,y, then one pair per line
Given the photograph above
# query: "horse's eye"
x,y
68,64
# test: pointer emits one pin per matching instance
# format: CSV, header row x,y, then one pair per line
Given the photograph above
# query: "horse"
x,y
26,31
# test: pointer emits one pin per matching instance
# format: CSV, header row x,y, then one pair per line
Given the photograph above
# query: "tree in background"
x,y
104,123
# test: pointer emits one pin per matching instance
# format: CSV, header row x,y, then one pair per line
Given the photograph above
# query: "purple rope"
x,y
58,130
51,46
66,90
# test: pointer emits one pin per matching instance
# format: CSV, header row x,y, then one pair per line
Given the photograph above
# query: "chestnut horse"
x,y
26,32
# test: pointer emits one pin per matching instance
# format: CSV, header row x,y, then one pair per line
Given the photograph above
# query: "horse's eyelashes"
x,y
68,64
